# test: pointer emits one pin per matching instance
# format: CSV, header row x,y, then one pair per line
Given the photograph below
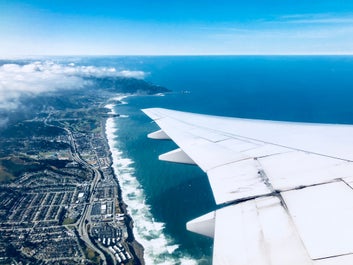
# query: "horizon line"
x,y
174,55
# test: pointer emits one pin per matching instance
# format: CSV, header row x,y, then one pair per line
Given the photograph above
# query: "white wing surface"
x,y
285,188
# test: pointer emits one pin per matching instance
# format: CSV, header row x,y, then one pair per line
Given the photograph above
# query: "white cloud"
x,y
43,76
133,74
318,19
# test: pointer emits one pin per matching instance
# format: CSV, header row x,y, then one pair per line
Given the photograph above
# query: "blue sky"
x,y
105,27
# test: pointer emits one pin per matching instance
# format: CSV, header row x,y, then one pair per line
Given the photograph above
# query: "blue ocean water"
x,y
162,196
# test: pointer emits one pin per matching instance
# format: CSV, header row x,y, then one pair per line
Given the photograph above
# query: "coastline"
x,y
151,242
135,247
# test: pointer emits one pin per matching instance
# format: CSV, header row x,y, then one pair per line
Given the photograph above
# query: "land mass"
x,y
60,201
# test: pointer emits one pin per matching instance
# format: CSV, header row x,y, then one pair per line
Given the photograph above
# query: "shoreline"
x,y
137,250
158,247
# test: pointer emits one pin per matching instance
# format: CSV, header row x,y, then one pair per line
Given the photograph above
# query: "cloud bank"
x,y
31,79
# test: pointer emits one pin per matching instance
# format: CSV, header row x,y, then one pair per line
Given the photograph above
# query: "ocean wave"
x,y
120,99
111,107
159,247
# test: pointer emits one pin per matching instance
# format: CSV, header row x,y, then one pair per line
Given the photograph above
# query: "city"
x,y
60,201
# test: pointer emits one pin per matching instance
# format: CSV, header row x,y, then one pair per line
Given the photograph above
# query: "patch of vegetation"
x,y
92,255
128,85
5,177
56,163
31,129
44,145
15,166
68,221
61,216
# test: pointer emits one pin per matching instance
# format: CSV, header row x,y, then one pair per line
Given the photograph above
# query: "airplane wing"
x,y
285,189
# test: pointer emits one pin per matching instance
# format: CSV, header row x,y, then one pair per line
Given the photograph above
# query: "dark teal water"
x,y
309,89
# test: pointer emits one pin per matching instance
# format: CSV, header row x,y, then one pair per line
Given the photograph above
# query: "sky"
x,y
161,27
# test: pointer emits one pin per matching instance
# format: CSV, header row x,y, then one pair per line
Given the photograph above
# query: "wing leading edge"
x,y
286,187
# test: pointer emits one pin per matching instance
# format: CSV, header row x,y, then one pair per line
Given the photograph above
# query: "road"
x,y
82,224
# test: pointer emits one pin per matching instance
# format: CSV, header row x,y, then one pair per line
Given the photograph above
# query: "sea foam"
x,y
159,248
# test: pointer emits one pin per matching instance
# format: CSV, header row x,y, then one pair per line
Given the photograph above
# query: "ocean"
x,y
161,196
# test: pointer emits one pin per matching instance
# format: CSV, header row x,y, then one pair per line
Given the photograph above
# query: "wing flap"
x,y
323,215
257,232
297,169
236,181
